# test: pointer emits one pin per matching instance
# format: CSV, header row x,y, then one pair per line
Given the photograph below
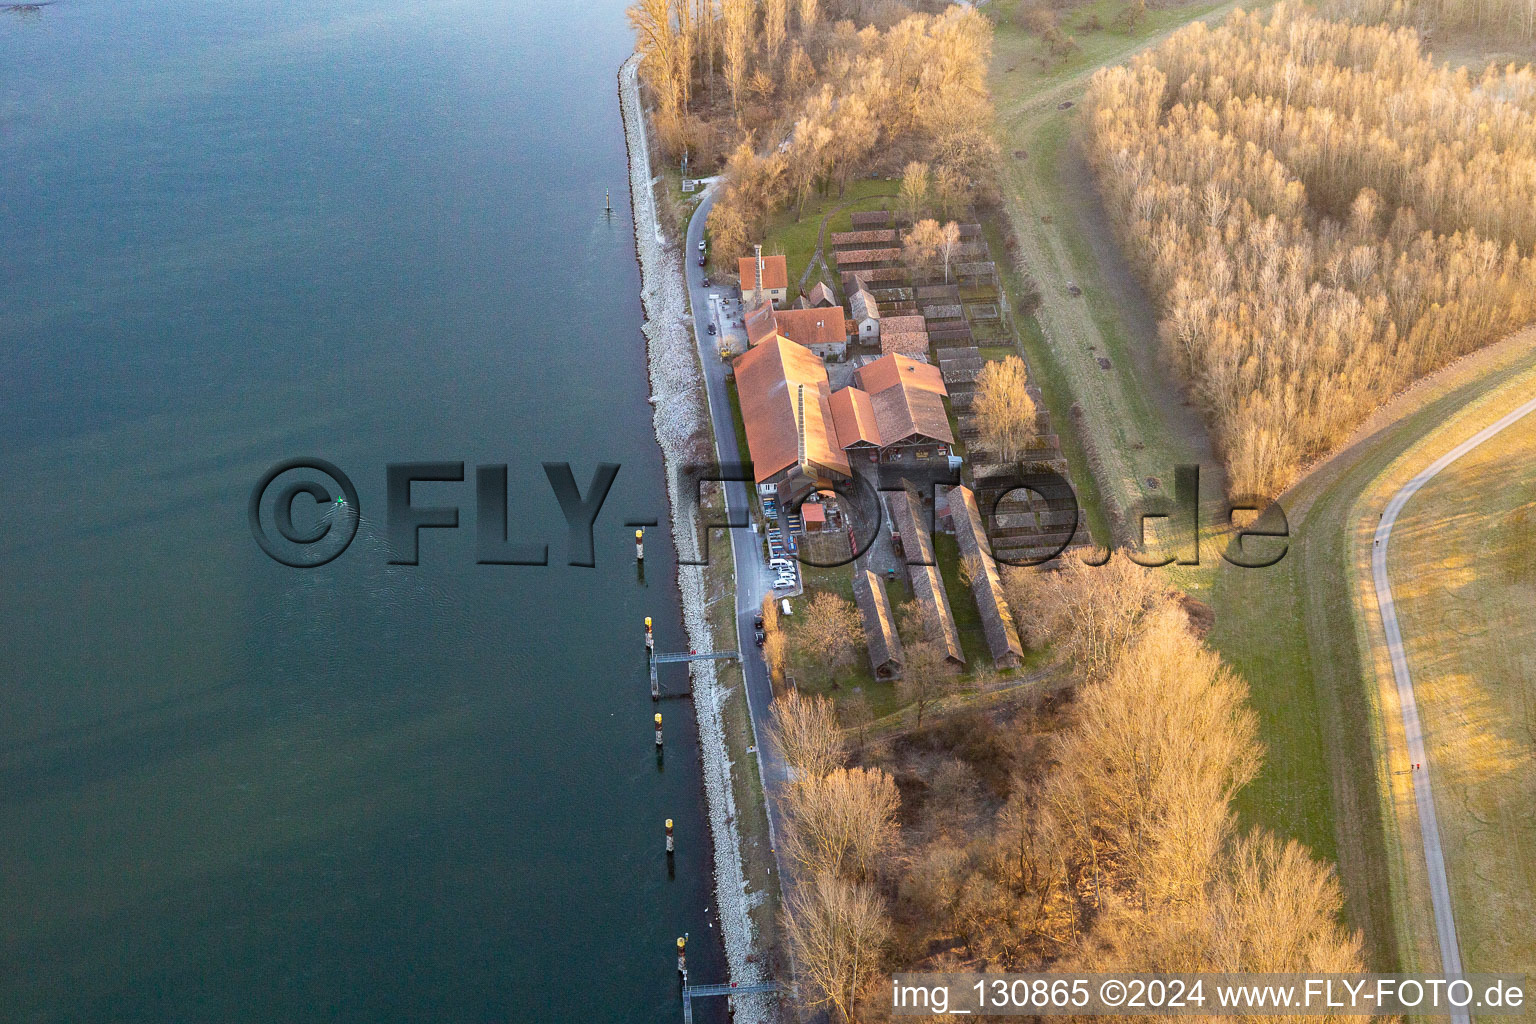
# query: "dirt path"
x,y
818,258
1135,423
1413,729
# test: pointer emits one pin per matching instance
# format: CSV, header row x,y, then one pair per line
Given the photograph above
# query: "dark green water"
x,y
233,791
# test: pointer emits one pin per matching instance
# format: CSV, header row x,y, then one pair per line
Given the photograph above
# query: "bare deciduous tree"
x,y
826,635
949,242
921,245
1156,752
839,932
927,676
807,733
914,188
736,18
775,26
660,44
949,187
843,822
856,715
1091,613
1005,412
1250,238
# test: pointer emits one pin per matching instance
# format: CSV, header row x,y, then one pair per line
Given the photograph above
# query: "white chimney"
x,y
759,251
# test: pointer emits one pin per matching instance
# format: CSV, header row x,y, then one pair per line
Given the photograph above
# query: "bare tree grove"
x,y
847,99
1322,213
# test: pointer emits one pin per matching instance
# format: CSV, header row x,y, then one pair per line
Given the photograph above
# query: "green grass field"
x,y
795,239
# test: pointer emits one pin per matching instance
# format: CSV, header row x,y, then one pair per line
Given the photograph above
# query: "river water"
x,y
372,232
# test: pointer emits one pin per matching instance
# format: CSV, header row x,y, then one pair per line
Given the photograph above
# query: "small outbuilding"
x,y
885,653
986,584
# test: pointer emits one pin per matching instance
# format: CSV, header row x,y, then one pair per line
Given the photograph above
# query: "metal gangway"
x,y
669,659
692,992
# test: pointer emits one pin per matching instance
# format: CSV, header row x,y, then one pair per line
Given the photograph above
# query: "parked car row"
x,y
780,547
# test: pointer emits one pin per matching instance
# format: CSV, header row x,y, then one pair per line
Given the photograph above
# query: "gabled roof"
x,y
760,323
852,257
879,623
820,295
811,326
865,238
780,384
863,306
927,585
986,584
905,335
908,398
890,371
854,417
775,272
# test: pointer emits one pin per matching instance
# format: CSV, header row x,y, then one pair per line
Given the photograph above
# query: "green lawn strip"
x,y
1136,421
1048,192
795,239
1035,68
1258,611
973,638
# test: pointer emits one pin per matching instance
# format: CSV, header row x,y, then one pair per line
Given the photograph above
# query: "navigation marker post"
x,y
658,730
639,545
669,837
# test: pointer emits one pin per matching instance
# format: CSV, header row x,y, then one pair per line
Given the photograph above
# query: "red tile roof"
x,y
908,398
905,335
774,380
760,323
811,326
854,417
775,272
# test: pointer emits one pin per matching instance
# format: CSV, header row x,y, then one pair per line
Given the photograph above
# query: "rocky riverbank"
x,y
683,430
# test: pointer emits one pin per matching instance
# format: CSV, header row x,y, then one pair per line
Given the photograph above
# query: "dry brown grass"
x,y
1470,627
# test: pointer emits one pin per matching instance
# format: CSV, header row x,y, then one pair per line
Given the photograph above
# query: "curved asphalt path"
x,y
746,547
1439,886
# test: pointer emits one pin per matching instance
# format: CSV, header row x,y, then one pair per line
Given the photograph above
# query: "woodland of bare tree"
x,y
806,95
1089,828
1323,216
1513,17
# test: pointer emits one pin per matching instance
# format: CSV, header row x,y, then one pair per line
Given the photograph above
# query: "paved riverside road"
x,y
746,547
1439,887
